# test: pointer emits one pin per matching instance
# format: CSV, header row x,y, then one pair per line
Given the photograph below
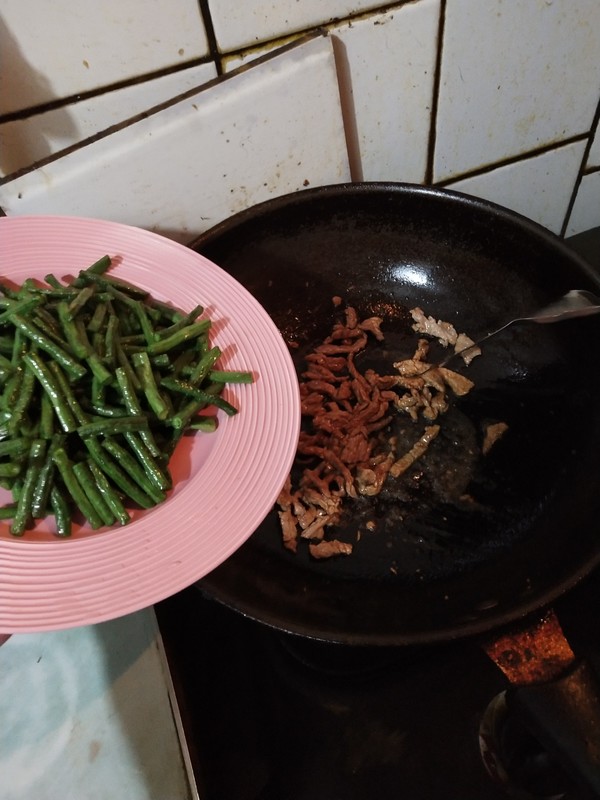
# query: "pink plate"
x,y
225,482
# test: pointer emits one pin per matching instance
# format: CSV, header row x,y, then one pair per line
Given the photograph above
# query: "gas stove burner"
x,y
516,761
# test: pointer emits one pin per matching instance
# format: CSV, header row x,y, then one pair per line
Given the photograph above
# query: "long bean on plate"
x,y
98,383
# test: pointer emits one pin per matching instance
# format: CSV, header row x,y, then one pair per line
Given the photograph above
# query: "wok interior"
x,y
437,567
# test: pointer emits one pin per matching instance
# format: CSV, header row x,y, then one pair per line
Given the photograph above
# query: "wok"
x,y
438,568
457,570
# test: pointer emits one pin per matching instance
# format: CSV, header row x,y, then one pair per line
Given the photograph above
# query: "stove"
x,y
273,716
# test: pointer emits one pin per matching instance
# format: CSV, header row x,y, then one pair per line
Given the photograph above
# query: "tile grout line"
x,y
582,171
428,177
63,102
213,47
506,162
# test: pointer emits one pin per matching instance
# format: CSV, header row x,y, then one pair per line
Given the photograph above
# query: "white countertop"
x,y
86,714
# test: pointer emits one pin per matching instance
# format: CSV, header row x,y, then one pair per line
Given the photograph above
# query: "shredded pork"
x,y
343,449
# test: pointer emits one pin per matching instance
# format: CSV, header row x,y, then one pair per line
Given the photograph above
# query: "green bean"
x,y
88,484
98,384
180,323
117,475
143,368
133,469
45,481
230,376
182,336
8,511
100,266
22,403
10,469
79,301
24,306
113,426
15,447
203,367
23,514
111,497
151,467
127,367
75,489
50,386
207,423
46,417
110,340
76,336
32,332
53,281
96,322
134,408
62,512
67,394
121,288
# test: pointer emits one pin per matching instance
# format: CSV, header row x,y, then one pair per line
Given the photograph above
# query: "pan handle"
x,y
564,717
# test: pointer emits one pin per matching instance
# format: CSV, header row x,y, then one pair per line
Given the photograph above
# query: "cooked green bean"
x,y
32,331
22,403
113,471
62,512
143,368
145,483
230,376
111,498
45,481
98,383
94,495
23,514
113,426
74,487
50,386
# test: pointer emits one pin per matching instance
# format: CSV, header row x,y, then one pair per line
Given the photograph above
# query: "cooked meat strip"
x,y
466,347
493,432
345,410
416,451
444,332
457,382
326,549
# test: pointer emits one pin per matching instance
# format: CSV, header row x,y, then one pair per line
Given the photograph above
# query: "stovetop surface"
x,y
273,717
269,716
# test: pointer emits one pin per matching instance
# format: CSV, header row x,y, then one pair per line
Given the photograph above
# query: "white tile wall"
x,y
62,48
517,80
539,188
515,77
274,129
243,24
386,64
25,141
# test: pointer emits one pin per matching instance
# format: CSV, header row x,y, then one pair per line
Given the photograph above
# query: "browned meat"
x,y
467,348
326,549
342,447
492,433
415,452
446,335
444,332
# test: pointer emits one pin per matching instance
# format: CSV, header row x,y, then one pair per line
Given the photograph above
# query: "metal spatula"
x,y
575,303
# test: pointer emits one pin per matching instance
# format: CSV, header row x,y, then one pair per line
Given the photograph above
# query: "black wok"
x,y
448,569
